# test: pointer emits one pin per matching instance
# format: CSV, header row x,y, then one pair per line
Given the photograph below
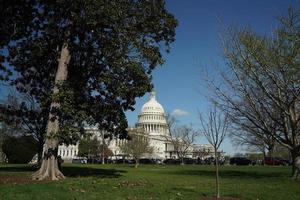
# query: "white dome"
x,y
152,106
152,117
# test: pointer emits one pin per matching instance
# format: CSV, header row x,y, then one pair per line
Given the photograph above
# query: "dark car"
x,y
172,161
188,161
209,161
284,161
239,161
275,161
123,161
95,160
146,161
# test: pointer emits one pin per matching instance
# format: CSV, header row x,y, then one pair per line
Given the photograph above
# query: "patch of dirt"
x,y
221,198
15,179
139,183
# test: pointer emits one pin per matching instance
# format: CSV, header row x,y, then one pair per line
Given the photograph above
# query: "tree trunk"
x,y
40,152
49,168
264,156
103,160
294,154
270,154
137,162
217,174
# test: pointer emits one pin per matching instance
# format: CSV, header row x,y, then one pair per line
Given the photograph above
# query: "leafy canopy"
x,y
114,47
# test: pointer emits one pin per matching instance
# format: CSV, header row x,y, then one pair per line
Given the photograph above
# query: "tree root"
x,y
48,171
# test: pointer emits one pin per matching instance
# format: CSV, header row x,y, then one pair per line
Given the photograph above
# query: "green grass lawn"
x,y
153,182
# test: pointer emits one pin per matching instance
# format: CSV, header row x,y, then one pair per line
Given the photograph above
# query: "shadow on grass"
x,y
18,168
68,171
76,171
232,173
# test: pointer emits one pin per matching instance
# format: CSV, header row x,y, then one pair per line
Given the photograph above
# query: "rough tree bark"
x,y
49,168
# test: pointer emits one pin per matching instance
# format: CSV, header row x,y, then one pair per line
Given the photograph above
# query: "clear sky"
x,y
178,83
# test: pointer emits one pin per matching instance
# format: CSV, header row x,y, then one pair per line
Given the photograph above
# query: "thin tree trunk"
x,y
137,162
217,174
49,168
103,160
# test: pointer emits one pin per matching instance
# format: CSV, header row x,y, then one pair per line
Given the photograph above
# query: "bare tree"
x,y
253,138
214,128
182,139
137,145
105,141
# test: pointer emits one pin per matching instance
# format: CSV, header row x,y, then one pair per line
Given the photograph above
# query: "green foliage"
x,y
89,147
20,114
114,47
19,149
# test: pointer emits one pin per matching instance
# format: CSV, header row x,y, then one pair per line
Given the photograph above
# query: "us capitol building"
x,y
152,119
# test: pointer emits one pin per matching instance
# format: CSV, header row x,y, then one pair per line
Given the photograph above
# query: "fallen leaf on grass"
x,y
178,194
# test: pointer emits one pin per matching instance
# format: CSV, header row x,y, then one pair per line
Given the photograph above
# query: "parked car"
x,y
158,161
122,161
284,161
80,160
209,161
146,161
171,161
240,161
188,161
275,161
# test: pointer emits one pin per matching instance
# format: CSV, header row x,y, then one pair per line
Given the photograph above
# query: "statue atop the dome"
x,y
152,94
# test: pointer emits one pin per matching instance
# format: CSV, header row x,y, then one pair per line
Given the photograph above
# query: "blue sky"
x,y
178,82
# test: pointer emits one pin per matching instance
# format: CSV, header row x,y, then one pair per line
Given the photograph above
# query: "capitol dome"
x,y
152,117
152,106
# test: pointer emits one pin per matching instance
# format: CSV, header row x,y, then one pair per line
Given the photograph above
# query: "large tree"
x,y
87,59
261,88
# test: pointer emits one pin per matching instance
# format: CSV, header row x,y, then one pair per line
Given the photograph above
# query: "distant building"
x,y
152,119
